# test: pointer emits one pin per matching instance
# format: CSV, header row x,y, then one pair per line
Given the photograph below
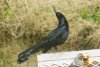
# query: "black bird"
x,y
56,37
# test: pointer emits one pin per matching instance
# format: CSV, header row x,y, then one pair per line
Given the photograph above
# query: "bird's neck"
x,y
63,22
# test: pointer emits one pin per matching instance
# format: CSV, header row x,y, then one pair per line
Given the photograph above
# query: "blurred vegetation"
x,y
23,23
95,15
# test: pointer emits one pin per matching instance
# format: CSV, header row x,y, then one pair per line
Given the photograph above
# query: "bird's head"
x,y
61,18
22,58
58,14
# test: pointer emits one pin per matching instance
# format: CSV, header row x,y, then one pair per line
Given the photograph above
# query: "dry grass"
x,y
25,22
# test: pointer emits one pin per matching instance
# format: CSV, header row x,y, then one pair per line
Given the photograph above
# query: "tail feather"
x,y
25,54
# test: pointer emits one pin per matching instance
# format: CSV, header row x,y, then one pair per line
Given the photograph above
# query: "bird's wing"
x,y
58,33
52,33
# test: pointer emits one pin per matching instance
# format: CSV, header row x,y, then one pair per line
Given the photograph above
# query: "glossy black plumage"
x,y
56,37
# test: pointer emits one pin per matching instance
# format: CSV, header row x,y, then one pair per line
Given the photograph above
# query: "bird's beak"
x,y
54,9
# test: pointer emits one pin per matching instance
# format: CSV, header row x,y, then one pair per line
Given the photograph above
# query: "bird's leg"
x,y
56,47
45,50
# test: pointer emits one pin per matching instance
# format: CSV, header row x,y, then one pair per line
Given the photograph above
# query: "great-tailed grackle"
x,y
56,37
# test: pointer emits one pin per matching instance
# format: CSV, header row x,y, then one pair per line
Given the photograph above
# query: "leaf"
x,y
7,15
95,18
84,13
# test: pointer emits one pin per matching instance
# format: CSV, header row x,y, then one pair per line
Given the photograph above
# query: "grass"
x,y
24,23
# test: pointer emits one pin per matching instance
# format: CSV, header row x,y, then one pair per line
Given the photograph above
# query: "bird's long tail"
x,y
25,54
